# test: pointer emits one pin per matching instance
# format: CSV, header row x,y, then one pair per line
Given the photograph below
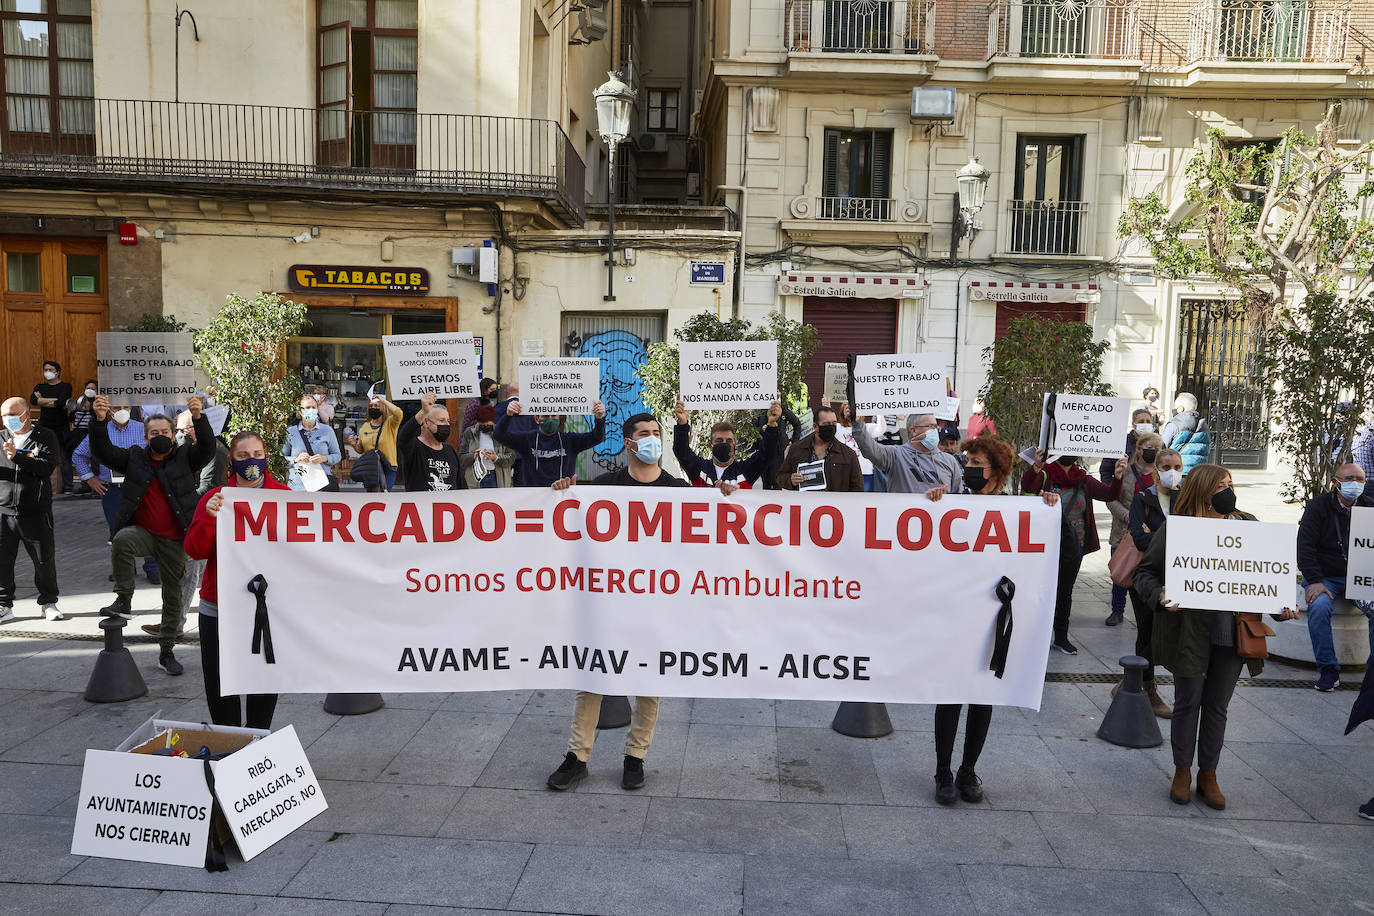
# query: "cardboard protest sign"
x,y
728,375
559,385
142,808
949,410
836,382
1230,564
1359,578
267,791
446,364
1085,426
903,383
137,366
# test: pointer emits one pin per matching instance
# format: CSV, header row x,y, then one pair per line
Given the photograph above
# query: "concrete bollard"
x,y
862,720
115,677
1130,720
352,704
615,713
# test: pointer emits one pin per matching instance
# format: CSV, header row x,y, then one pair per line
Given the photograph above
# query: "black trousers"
x,y
1200,705
1144,631
1069,564
34,531
975,733
228,710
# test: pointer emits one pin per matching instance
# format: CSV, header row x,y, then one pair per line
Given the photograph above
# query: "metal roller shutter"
x,y
845,326
1055,311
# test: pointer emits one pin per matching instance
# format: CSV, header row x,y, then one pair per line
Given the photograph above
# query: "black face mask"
x,y
975,479
161,445
722,451
1224,501
487,427
490,395
1067,460
441,432
826,432
1149,455
374,413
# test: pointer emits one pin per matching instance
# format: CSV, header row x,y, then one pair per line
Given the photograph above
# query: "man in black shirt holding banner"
x,y
428,462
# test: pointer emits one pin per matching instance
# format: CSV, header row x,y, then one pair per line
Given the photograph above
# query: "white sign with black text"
x,y
836,382
728,375
903,383
267,791
949,410
1229,564
1359,575
135,367
559,385
1086,426
446,364
142,808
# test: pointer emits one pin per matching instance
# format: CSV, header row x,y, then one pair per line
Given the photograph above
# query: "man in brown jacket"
x,y
840,464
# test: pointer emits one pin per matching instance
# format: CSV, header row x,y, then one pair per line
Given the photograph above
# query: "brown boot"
x,y
1209,790
1181,789
1161,708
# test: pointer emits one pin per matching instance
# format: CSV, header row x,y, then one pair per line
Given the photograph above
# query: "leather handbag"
x,y
1122,565
1252,636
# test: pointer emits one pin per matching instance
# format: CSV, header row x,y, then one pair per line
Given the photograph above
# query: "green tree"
x,y
243,350
1038,356
796,343
1319,367
151,322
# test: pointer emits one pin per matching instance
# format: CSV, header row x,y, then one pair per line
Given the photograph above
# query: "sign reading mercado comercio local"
x,y
345,278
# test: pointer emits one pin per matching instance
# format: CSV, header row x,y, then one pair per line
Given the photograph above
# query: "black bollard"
x,y
1130,720
115,677
862,720
615,713
352,704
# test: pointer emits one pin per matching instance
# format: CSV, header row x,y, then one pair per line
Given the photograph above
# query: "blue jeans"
x,y
1319,623
488,482
390,479
1119,591
109,504
868,483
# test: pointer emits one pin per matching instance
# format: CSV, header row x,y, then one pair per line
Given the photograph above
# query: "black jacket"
x,y
179,472
1146,513
1324,537
414,458
25,485
703,472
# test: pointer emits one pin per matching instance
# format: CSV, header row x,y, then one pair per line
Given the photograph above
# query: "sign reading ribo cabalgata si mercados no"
x,y
347,278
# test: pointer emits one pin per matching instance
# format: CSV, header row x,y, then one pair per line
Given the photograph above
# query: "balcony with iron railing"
x,y
873,39
1310,38
292,152
1064,39
862,209
1046,227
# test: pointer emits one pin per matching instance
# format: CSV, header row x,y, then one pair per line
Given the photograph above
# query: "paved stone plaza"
x,y
752,806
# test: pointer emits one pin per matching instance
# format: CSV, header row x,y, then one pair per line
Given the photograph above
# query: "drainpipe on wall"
x,y
739,260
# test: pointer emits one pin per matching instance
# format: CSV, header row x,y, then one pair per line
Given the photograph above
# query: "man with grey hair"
x,y
1187,432
428,462
916,466
28,454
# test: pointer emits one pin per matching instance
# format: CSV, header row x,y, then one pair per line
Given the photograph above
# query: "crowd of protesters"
x,y
161,480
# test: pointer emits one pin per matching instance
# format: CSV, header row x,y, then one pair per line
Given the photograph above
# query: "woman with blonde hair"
x,y
1139,476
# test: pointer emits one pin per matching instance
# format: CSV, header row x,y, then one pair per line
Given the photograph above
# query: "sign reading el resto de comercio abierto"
x,y
346,278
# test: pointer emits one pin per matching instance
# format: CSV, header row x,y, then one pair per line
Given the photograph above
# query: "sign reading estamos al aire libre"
x,y
345,278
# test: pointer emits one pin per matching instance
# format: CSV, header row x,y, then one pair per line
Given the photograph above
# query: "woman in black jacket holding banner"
x,y
986,471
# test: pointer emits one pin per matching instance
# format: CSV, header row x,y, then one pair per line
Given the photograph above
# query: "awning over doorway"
x,y
1034,291
851,285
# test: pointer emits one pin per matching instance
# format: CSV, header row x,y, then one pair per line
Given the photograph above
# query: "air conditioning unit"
x,y
650,142
592,22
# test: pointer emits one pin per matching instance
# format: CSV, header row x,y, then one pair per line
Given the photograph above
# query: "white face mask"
x,y
121,417
1171,479
91,393
1142,429
50,375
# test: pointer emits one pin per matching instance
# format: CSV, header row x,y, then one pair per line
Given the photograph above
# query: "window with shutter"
x,y
856,175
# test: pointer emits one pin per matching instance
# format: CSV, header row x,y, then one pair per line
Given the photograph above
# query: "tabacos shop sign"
x,y
374,281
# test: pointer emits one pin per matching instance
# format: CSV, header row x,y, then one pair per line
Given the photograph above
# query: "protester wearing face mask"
x,y
980,423
919,464
1151,397
643,448
547,452
157,502
1139,476
486,462
311,442
845,433
379,432
79,414
1198,644
488,389
28,455
1323,544
1141,425
247,468
1078,535
430,463
123,432
1149,509
840,463
50,396
987,467
723,465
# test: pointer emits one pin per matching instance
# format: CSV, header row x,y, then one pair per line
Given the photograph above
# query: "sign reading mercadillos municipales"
x,y
348,278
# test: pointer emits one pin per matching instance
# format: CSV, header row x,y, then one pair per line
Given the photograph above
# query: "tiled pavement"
x,y
754,807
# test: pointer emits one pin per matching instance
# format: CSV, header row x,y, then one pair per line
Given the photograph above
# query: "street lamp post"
x,y
614,101
972,181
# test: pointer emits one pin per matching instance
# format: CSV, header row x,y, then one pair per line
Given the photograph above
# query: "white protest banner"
x,y
949,410
267,791
1219,564
836,382
639,591
1086,426
446,364
728,375
143,808
1359,576
136,366
559,385
903,383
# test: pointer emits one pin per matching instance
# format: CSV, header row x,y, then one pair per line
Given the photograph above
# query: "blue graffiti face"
x,y
621,353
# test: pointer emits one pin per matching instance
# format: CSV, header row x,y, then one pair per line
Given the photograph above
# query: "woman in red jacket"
x,y
247,468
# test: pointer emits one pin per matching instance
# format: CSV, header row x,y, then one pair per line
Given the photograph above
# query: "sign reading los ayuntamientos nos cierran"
x,y
347,278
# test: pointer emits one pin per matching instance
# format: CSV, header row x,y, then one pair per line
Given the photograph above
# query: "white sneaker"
x,y
6,614
51,612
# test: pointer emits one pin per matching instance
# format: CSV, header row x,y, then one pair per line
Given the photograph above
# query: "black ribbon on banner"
x,y
262,627
215,857
1006,590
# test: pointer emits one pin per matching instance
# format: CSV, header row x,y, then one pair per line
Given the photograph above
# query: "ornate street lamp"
x,y
972,181
614,101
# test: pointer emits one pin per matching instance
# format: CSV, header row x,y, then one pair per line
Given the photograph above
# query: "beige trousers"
x,y
587,710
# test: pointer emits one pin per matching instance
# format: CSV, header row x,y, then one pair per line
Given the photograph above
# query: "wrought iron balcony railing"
x,y
1046,226
865,209
1064,29
860,26
151,144
1275,31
